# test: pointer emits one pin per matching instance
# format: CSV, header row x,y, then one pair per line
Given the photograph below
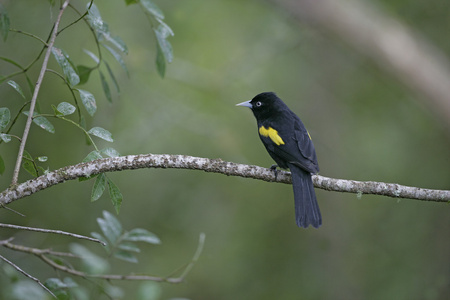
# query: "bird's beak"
x,y
245,103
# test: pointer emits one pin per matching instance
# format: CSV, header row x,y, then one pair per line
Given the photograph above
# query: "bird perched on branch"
x,y
290,145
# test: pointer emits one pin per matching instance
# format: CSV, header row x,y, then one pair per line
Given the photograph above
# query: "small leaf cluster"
x,y
164,51
120,244
73,75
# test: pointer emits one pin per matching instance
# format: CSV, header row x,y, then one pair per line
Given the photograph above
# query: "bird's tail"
x,y
306,207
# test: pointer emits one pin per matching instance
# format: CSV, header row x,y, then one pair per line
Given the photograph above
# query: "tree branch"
x,y
35,94
78,236
215,166
41,253
27,275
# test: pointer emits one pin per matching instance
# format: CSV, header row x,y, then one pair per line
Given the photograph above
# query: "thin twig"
x,y
70,90
105,276
30,35
27,275
40,253
198,252
7,243
78,236
12,210
92,168
35,94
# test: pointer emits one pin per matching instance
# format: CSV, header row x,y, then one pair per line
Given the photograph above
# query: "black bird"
x,y
290,145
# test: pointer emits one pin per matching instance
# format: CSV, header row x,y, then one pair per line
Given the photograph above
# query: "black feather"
x,y
297,152
306,207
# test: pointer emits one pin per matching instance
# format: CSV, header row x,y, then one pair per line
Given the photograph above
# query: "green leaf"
x,y
101,133
162,33
117,56
116,195
11,61
17,87
152,9
110,152
26,289
151,291
42,158
128,2
84,73
83,122
42,170
129,247
99,187
92,55
69,282
2,165
92,156
4,22
5,116
29,165
114,292
44,124
41,122
5,137
55,111
110,226
118,43
160,62
63,61
164,29
164,51
105,86
55,284
113,78
126,256
88,101
141,235
92,263
95,19
66,108
102,29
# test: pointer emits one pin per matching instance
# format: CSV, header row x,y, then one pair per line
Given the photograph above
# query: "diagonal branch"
x,y
35,94
27,275
78,236
215,166
57,266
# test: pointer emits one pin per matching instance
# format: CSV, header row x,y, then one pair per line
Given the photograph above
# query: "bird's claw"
x,y
273,168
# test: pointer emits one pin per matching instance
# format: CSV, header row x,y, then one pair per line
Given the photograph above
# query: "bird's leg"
x,y
273,168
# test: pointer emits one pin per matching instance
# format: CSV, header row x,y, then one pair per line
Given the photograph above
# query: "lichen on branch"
x,y
141,161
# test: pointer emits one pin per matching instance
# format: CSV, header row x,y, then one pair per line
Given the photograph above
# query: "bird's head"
x,y
264,105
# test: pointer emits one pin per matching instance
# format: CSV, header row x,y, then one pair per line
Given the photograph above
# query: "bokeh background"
x,y
365,124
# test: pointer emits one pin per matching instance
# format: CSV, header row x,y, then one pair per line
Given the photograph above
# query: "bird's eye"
x,y
258,104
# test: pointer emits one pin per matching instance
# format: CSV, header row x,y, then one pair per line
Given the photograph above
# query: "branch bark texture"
x,y
128,162
36,92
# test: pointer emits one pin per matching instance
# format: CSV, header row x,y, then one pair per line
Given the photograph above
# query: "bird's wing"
x,y
306,147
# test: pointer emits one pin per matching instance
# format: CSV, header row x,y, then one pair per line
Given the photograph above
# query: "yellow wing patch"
x,y
272,134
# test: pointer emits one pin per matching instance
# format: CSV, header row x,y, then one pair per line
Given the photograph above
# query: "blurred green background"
x,y
364,123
